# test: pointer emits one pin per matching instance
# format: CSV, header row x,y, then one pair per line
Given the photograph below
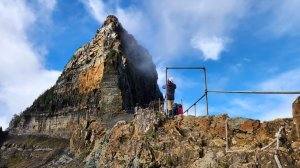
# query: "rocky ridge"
x,y
153,140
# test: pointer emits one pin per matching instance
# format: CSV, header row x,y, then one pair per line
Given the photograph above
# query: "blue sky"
x,y
245,45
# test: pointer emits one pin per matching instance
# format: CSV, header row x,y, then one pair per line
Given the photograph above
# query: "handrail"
x,y
185,67
194,103
205,84
254,92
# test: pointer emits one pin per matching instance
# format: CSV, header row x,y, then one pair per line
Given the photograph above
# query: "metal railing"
x,y
206,91
194,104
254,92
205,84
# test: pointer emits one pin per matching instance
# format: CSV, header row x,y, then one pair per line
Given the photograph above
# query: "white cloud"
x,y
168,27
96,8
22,74
131,18
47,4
210,47
161,72
199,24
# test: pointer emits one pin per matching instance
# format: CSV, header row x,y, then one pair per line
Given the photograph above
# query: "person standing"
x,y
170,86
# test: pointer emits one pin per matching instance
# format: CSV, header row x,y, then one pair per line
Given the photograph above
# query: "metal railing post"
x,y
206,97
166,87
205,84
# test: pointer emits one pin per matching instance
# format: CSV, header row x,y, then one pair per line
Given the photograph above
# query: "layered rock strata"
x,y
106,76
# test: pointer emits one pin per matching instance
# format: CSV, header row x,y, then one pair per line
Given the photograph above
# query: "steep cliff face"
x,y
104,77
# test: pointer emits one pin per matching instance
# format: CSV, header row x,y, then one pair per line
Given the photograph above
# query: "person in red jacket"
x,y
170,96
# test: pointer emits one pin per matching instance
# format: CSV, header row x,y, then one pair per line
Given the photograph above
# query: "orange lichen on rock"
x,y
91,78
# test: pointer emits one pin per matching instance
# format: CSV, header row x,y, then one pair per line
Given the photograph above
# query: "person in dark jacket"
x,y
170,93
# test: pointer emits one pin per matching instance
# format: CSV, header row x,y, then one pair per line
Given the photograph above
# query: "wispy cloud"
x,y
286,19
22,73
265,107
131,18
198,24
282,18
281,105
97,8
288,80
174,25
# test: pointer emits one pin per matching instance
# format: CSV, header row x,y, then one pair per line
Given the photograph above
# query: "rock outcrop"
x,y
106,76
34,151
152,140
296,116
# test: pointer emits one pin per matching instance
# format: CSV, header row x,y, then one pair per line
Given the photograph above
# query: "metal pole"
x,y
194,103
226,134
206,97
166,86
195,109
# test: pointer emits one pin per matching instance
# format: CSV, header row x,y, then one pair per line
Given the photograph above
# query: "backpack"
x,y
175,109
180,109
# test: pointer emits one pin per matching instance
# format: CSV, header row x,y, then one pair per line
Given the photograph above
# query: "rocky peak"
x,y
104,77
111,21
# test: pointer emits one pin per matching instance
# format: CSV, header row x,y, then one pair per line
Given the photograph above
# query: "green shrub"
x,y
15,120
150,134
111,54
169,161
12,161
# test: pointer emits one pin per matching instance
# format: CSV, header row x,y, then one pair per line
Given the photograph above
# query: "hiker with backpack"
x,y
170,87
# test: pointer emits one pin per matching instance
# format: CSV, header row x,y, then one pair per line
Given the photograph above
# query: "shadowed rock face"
x,y
105,76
